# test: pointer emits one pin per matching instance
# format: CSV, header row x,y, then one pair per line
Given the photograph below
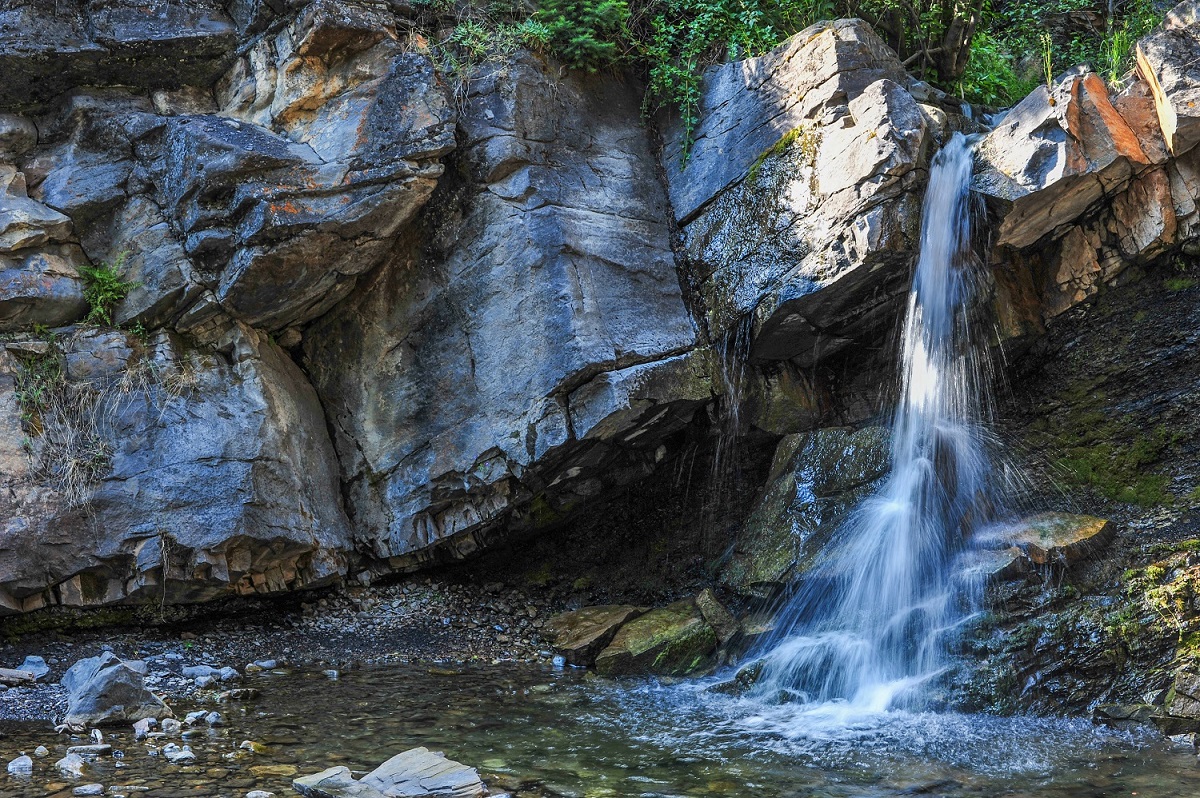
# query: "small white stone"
x,y
21,766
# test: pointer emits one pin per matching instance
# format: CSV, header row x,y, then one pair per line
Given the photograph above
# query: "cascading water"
x,y
874,624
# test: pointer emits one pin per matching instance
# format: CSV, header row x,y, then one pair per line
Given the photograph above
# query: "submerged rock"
x,y
107,689
674,640
581,634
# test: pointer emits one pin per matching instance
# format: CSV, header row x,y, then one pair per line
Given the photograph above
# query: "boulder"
x,y
475,433
420,772
416,773
799,202
1059,537
1169,61
816,479
581,634
35,665
719,618
671,641
109,690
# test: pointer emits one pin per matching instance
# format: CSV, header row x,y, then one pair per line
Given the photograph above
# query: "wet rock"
x,y
178,755
672,641
719,618
41,751
88,789
91,752
336,782
71,765
1058,538
1169,61
581,634
106,689
171,726
816,479
21,766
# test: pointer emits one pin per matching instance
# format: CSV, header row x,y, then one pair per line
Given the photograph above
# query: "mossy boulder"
x,y
581,634
816,479
674,640
1049,538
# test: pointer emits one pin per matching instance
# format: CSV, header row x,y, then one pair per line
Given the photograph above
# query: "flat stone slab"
x,y
416,773
672,641
581,634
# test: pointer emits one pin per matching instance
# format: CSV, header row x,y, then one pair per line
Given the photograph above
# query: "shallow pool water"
x,y
543,732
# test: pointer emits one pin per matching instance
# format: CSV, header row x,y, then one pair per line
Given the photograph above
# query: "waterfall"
x,y
872,626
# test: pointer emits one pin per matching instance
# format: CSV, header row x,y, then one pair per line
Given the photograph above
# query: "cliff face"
x,y
379,318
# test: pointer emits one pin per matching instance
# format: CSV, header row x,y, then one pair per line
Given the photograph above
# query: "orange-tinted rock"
x,y
1144,216
1169,61
1136,106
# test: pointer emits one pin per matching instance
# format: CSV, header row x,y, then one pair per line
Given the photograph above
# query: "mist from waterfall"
x,y
871,623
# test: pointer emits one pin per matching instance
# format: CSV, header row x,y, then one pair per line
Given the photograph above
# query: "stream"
x,y
535,731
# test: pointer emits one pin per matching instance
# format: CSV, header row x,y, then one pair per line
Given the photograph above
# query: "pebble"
x,y
214,719
88,789
332,674
41,751
192,718
260,794
21,766
253,747
175,754
171,726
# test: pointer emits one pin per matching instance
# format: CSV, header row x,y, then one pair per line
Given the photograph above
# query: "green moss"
x,y
1179,283
807,142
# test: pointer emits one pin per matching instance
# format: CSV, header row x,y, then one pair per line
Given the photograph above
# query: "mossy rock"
x,y
670,641
581,634
817,478
1060,537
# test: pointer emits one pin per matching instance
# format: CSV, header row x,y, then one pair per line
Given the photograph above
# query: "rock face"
x,y
472,426
800,199
1087,183
109,690
227,446
816,479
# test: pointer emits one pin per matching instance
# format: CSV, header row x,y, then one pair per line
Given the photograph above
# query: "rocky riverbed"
x,y
423,620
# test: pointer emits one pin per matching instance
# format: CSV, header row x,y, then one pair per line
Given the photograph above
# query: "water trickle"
x,y
871,629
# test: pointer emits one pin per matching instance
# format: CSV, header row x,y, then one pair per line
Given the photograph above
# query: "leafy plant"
x,y
104,289
586,34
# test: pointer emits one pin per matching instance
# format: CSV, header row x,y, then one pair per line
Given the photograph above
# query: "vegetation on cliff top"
x,y
992,52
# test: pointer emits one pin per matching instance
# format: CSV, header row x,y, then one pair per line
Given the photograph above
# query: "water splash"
x,y
872,629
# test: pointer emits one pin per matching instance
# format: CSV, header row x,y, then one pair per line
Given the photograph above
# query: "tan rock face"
x,y
1169,61
673,641
1055,538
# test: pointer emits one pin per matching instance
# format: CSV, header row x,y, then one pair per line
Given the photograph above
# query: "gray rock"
x,y
88,789
71,765
474,423
171,726
419,772
91,752
227,445
35,665
18,136
48,46
335,782
41,751
800,200
21,766
106,689
177,755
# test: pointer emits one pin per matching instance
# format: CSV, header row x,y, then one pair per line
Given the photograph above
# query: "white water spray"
x,y
872,627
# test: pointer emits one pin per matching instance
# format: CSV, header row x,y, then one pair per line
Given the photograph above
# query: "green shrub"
x,y
104,289
585,34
